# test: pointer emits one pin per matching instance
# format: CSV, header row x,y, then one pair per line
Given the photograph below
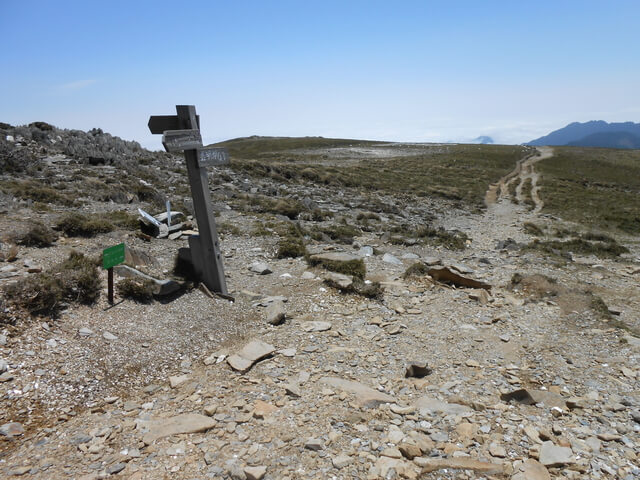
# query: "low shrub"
x,y
371,290
38,235
136,289
76,279
338,233
228,228
453,240
291,247
123,219
368,216
37,191
418,269
356,267
78,225
533,229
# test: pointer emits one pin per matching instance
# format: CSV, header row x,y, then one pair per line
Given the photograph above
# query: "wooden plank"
x,y
162,123
212,157
179,140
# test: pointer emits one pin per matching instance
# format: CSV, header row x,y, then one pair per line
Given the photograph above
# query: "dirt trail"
x,y
524,171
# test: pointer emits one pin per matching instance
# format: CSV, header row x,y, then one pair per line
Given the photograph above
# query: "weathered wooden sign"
x,y
182,132
180,140
162,123
213,156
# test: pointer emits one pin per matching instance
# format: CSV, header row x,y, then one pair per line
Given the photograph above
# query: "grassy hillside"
x,y
458,172
594,186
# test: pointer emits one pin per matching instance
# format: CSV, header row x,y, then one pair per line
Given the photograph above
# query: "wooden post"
x,y
110,284
212,267
182,133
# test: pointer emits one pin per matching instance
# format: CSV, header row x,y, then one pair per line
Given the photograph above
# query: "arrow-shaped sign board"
x,y
180,140
213,156
162,123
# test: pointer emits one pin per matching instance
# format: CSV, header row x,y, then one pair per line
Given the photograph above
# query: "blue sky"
x,y
403,70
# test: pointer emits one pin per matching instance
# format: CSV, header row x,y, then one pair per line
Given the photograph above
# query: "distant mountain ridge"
x,y
596,133
483,140
609,140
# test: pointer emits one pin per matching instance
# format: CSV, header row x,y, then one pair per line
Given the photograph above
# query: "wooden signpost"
x,y
181,132
111,257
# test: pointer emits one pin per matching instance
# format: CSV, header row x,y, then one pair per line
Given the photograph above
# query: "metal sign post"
x,y
111,257
182,133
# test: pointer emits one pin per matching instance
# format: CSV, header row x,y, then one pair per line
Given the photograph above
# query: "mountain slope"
x,y
574,133
609,140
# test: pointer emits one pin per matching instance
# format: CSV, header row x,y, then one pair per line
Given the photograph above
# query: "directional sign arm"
x,y
212,157
162,123
179,140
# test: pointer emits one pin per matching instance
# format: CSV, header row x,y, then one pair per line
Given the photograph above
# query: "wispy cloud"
x,y
77,85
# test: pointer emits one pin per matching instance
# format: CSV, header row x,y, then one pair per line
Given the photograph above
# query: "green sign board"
x,y
113,256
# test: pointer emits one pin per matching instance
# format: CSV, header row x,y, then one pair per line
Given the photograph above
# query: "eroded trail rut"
x,y
520,177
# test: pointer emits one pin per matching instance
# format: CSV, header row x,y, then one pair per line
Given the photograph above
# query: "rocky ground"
x,y
294,379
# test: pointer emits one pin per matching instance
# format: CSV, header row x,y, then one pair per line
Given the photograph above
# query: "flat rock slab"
x,y
185,423
260,268
392,259
177,380
460,268
431,405
334,257
365,396
315,326
250,354
255,473
531,469
532,397
338,279
445,275
431,261
11,429
632,341
460,463
552,455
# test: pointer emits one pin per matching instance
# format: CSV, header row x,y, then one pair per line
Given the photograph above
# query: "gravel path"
x,y
504,384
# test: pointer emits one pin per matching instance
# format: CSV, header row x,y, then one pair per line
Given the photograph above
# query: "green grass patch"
x,y
228,228
406,235
593,186
578,246
458,172
338,233
291,247
288,207
37,191
356,267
